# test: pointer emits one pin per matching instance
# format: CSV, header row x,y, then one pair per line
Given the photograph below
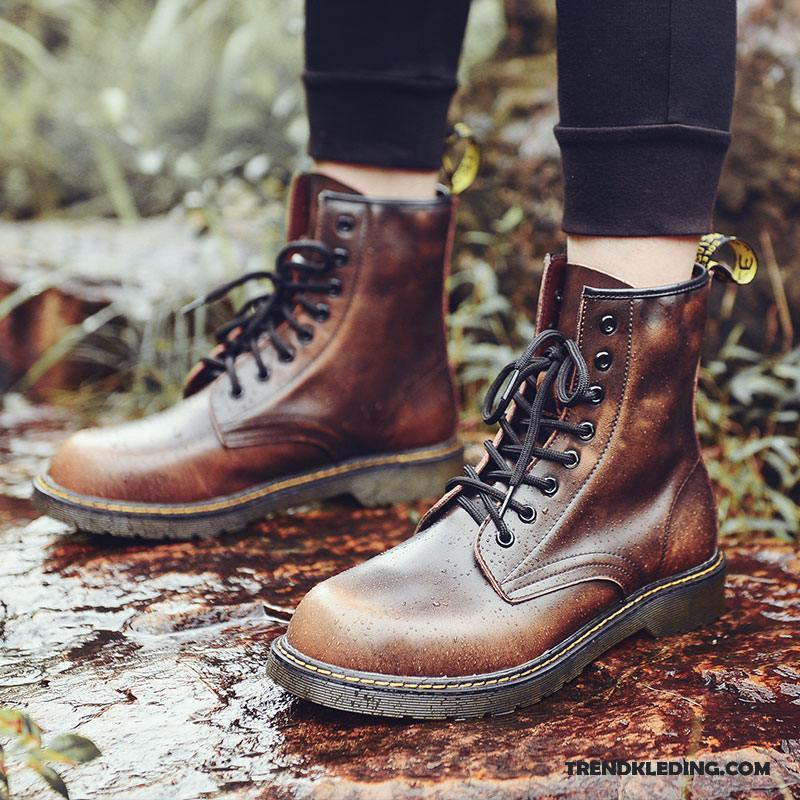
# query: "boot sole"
x,y
372,481
677,604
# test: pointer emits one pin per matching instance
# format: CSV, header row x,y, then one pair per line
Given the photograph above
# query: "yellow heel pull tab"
x,y
462,158
730,258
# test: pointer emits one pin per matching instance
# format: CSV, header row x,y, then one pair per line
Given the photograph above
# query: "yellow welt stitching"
x,y
523,673
401,458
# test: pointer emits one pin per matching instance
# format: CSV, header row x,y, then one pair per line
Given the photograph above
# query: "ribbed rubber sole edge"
x,y
376,480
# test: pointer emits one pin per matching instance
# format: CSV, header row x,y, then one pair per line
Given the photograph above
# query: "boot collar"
x,y
564,286
304,202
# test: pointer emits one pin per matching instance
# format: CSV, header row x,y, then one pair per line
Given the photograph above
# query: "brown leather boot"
x,y
590,518
336,382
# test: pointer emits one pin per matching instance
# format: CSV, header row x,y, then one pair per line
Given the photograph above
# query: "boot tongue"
x,y
304,202
573,279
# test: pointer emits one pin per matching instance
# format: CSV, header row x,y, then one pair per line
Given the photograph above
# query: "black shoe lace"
x,y
551,362
302,267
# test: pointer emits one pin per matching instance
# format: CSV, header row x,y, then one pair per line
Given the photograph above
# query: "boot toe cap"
x,y
166,458
392,626
348,629
106,464
84,464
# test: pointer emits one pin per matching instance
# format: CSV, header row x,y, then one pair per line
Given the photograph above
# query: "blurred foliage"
x,y
122,106
23,741
749,421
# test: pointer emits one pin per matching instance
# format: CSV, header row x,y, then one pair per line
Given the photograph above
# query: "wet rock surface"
x,y
157,653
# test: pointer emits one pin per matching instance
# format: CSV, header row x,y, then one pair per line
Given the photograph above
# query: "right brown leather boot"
x,y
337,382
590,518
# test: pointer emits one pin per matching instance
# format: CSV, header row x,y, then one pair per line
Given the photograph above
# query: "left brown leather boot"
x,y
590,518
335,381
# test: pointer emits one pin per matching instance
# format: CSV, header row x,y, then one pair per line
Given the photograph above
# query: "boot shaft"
x,y
619,512
654,334
375,370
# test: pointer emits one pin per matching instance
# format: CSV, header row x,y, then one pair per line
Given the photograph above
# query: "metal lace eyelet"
x,y
340,256
527,514
263,375
237,392
603,360
321,313
586,431
505,539
305,336
335,287
575,459
552,486
345,223
596,394
287,357
608,324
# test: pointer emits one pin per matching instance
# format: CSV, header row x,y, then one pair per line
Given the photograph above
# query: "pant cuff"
x,y
644,180
382,121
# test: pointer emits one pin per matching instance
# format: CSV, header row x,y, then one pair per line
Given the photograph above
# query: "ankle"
x,y
393,184
639,261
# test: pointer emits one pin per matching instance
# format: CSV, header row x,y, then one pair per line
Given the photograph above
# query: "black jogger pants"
x,y
645,95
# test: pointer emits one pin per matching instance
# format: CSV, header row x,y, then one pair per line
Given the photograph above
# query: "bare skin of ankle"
x,y
393,184
639,261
